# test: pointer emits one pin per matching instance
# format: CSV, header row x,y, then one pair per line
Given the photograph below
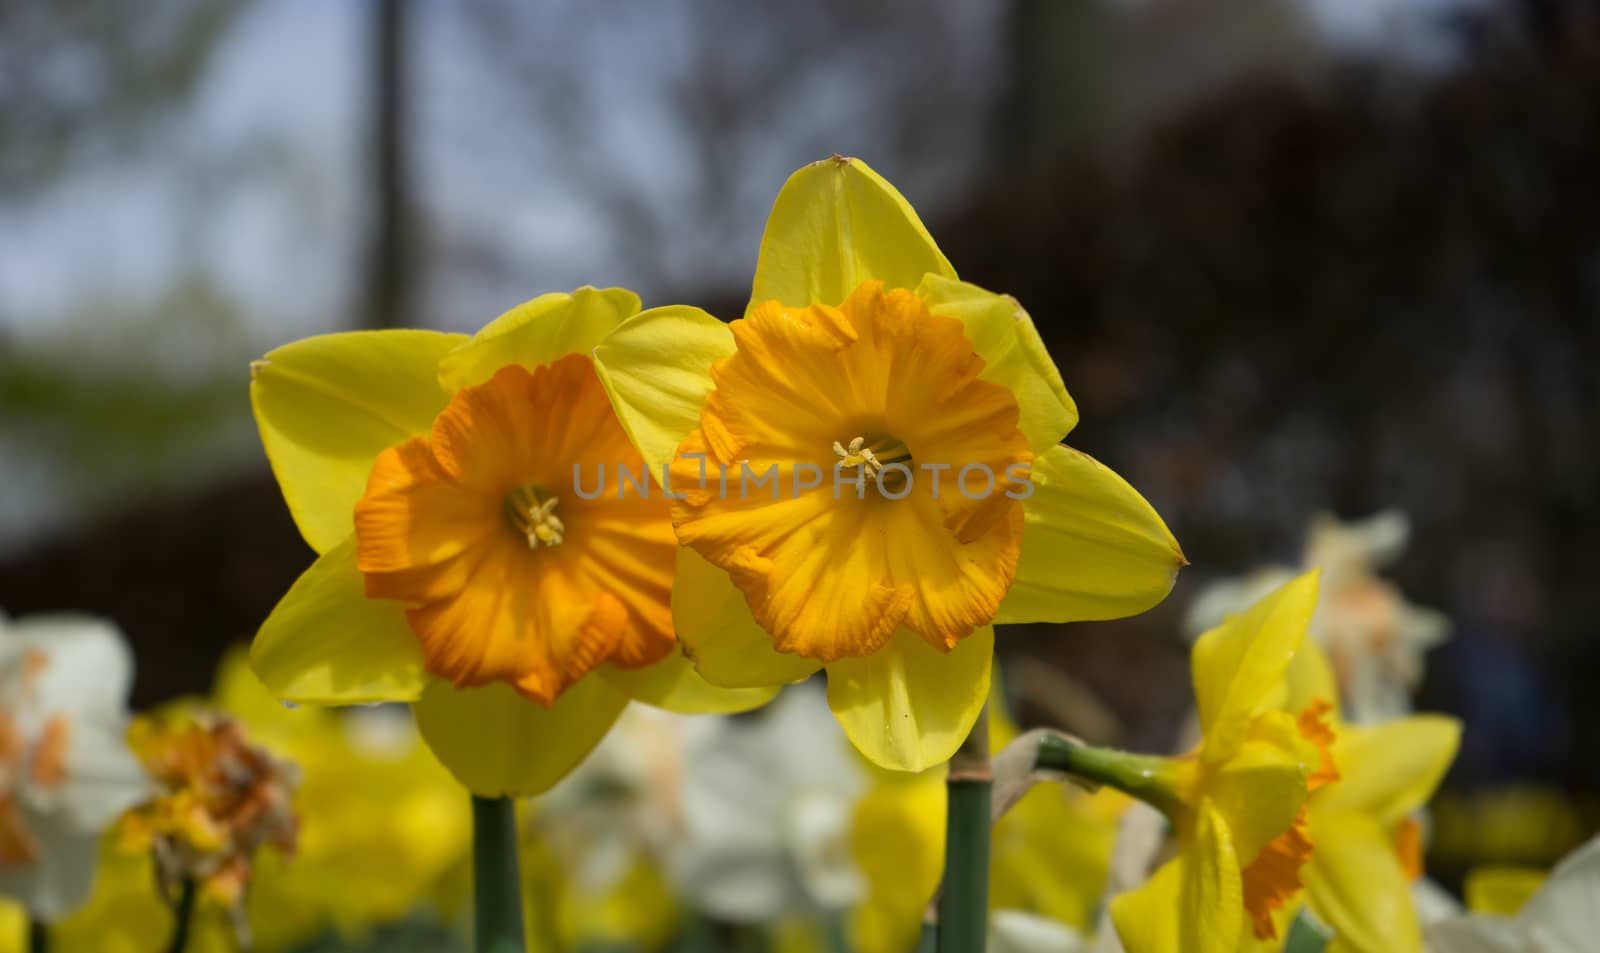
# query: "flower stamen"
x,y
533,514
858,455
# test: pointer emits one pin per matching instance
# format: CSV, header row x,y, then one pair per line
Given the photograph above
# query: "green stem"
x,y
496,890
964,896
38,937
1146,777
183,916
928,939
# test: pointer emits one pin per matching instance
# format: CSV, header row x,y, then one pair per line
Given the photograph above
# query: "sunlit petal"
x,y
909,706
327,643
836,224
500,744
327,406
1092,547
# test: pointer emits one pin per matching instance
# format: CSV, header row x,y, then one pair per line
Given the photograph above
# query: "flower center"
x,y
871,454
532,513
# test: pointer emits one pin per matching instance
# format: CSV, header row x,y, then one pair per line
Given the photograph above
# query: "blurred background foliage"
x,y
1292,256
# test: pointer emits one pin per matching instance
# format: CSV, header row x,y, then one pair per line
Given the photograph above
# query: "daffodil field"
x,y
634,630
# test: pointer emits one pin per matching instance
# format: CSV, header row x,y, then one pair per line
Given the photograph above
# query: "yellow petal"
x,y
498,743
908,706
716,630
327,643
327,406
1211,904
1146,917
536,332
835,225
1388,770
1092,547
1194,904
1238,667
1014,355
656,367
673,684
1258,792
1354,883
1311,678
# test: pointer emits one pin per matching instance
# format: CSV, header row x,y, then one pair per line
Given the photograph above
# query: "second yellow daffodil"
x,y
1237,801
868,473
462,568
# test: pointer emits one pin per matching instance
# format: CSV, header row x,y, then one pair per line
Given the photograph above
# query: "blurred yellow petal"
x,y
673,684
1502,891
1311,678
1195,904
536,332
1147,917
1354,883
327,406
1258,791
1013,353
1239,666
1092,548
1388,770
498,743
835,225
717,630
897,842
13,927
908,706
327,643
656,367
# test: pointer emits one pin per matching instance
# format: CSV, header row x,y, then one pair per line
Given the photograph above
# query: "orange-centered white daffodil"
x,y
869,473
1237,802
465,565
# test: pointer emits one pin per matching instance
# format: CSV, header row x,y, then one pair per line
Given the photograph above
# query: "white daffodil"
x,y
623,803
65,771
1562,917
768,800
1375,639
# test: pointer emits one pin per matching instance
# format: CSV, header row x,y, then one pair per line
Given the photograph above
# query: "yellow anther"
x,y
858,455
534,515
544,526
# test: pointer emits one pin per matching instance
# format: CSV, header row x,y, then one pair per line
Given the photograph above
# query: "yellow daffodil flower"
x,y
1237,801
464,567
1358,880
870,474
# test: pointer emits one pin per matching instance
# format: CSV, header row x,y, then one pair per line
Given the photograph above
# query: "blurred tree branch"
x,y
98,71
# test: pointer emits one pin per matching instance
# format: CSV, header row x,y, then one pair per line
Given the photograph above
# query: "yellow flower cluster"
x,y
588,504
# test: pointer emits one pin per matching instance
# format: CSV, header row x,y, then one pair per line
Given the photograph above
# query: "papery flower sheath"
x,y
465,567
871,474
